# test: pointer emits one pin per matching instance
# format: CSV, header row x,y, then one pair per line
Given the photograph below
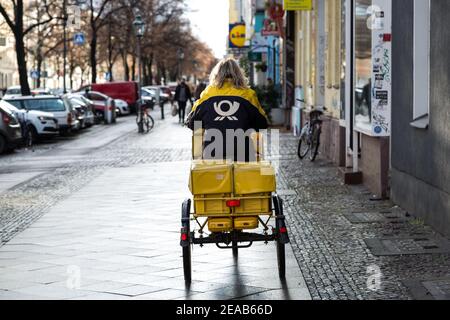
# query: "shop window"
x,y
363,65
421,90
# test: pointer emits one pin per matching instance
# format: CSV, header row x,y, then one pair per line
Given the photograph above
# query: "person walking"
x,y
182,96
228,112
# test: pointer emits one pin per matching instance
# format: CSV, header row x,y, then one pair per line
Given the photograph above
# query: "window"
x,y
2,41
47,105
421,60
363,65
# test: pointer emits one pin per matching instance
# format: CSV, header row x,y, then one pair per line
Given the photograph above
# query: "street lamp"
x,y
180,55
65,18
139,29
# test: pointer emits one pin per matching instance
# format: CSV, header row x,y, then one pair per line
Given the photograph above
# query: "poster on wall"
x,y
381,73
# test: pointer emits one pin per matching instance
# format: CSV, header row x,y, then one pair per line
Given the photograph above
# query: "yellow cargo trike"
x,y
230,199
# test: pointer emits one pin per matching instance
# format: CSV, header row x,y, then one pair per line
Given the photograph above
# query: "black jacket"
x,y
232,109
188,92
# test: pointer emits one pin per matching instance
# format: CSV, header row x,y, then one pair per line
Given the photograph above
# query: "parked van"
x,y
125,90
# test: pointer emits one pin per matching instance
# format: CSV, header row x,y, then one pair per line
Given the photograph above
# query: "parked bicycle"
x,y
144,120
309,141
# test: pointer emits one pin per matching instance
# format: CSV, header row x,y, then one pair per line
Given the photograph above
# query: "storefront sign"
x,y
255,56
273,25
270,28
259,43
237,37
297,5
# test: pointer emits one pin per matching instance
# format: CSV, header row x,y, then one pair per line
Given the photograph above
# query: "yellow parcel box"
x,y
210,183
254,177
253,184
211,177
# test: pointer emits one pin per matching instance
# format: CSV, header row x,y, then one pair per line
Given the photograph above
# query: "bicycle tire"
x,y
302,142
315,143
151,123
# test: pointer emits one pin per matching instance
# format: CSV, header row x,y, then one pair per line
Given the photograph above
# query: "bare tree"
x,y
13,14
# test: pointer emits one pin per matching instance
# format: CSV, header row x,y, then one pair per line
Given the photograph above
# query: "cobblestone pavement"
x,y
101,221
331,251
85,210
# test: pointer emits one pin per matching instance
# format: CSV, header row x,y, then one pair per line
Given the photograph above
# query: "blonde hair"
x,y
228,69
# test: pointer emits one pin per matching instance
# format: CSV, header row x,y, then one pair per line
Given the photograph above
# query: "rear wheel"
x,y
303,145
281,250
149,123
2,144
281,258
185,223
315,143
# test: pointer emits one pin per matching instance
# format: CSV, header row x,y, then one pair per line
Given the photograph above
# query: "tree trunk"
x,y
144,72
126,67
133,69
20,50
93,56
150,72
39,70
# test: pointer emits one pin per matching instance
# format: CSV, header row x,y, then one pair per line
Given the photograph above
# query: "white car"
x,y
62,110
40,124
13,92
122,107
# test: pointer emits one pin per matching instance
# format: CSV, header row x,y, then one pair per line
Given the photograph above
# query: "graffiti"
x,y
380,121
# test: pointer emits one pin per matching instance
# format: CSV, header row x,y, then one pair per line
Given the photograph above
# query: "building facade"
x,y
342,60
421,117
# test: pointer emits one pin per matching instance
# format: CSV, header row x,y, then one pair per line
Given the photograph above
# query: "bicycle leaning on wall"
x,y
309,141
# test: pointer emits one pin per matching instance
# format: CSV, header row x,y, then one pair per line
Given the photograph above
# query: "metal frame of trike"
x,y
234,237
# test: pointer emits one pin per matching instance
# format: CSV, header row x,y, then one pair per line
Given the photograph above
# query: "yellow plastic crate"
x,y
208,205
254,178
254,204
246,223
220,224
211,177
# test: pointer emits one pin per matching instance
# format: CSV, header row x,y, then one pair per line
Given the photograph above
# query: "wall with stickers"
x,y
381,63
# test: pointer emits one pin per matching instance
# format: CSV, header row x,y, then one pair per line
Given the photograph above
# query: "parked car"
x,y
122,108
40,124
163,95
11,92
10,130
62,110
85,113
97,118
148,97
100,102
126,90
167,91
16,91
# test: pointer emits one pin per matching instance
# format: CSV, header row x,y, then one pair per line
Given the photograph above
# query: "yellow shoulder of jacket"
x,y
230,91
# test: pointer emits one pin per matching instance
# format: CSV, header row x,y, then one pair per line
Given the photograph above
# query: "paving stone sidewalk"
x,y
112,232
333,252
